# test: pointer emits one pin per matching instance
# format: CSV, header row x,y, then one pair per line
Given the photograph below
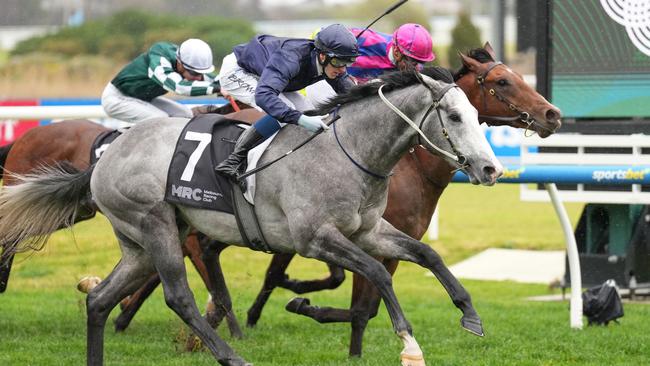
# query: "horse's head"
x,y
451,123
501,95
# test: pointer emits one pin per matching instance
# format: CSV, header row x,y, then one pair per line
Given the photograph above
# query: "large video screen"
x,y
601,58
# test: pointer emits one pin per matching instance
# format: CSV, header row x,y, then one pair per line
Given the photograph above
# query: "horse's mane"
x,y
478,54
392,81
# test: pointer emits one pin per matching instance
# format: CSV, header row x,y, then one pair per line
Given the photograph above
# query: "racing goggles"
x,y
341,62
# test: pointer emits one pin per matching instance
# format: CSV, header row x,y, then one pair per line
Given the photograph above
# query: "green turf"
x,y
42,317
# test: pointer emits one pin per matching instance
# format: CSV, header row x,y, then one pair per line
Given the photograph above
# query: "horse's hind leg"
x,y
132,304
334,280
160,234
5,269
134,268
331,246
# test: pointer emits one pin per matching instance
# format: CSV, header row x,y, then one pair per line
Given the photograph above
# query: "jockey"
x,y
135,94
409,46
268,72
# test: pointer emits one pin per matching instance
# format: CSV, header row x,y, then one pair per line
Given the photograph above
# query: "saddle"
x,y
205,141
205,189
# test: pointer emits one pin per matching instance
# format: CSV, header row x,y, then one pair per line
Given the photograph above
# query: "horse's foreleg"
x,y
335,279
395,244
365,305
132,304
6,261
160,233
333,247
210,251
275,274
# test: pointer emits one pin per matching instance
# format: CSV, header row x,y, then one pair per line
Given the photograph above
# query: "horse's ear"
x,y
469,62
488,47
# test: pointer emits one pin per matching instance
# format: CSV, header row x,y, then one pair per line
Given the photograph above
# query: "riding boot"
x,y
233,164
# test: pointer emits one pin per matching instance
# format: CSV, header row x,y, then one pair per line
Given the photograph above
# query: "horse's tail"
x,y
41,203
4,152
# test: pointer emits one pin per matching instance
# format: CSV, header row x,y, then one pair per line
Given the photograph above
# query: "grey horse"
x,y
315,202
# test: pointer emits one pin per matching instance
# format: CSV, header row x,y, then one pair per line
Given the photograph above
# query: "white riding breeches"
x,y
241,85
133,110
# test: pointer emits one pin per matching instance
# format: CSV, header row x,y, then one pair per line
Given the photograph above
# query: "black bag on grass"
x,y
602,304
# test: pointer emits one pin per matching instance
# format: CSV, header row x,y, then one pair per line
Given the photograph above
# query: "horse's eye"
x,y
502,82
454,117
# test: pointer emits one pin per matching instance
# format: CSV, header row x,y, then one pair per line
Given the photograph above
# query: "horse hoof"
x,y
412,360
296,303
472,325
88,283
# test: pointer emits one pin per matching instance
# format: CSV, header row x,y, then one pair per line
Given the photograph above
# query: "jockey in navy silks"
x,y
267,73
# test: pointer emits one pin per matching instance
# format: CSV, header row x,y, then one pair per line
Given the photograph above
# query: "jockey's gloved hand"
x,y
312,123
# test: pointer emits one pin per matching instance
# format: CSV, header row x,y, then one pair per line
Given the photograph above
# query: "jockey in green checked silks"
x,y
268,72
135,94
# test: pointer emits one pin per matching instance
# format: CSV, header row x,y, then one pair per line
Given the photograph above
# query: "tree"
x,y
126,34
464,37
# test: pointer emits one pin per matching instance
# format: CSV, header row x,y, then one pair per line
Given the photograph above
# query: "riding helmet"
x,y
195,55
337,41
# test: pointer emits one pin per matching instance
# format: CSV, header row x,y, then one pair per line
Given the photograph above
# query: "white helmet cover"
x,y
195,55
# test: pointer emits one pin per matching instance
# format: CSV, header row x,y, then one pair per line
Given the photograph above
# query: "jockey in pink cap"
x,y
409,46
414,42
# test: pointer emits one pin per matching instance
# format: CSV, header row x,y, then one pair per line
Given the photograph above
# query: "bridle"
x,y
435,105
523,116
436,98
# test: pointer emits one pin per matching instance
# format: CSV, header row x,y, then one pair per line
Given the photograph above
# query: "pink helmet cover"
x,y
414,41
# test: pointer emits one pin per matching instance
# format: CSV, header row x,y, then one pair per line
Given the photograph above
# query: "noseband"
x,y
523,115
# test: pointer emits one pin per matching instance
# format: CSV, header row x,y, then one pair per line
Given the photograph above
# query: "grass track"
x,y
42,316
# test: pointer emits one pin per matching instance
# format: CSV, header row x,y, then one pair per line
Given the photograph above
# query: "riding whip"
x,y
388,11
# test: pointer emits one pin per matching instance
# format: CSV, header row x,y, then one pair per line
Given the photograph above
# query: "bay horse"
x,y
343,227
71,141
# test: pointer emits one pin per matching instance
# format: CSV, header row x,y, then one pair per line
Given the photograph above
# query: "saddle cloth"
x,y
101,144
205,141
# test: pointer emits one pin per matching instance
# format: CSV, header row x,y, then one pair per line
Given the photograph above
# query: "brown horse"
x,y
502,98
71,141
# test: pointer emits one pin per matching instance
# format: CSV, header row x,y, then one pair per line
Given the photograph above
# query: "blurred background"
x,y
72,48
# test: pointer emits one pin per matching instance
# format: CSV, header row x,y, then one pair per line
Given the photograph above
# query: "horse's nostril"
x,y
489,171
553,114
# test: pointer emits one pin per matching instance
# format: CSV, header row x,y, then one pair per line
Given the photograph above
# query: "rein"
x,y
335,117
456,156
365,170
434,105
